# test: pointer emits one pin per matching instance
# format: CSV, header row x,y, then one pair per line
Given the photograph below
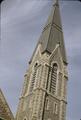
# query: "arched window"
x,y
33,77
54,78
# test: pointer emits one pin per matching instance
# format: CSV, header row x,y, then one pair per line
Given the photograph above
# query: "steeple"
x,y
45,86
52,33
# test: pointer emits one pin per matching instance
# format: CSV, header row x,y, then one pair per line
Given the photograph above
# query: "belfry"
x,y
45,85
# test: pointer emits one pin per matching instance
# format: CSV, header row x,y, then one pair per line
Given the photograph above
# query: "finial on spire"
x,y
56,2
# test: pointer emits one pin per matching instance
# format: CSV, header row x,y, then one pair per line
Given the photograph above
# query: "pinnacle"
x,y
55,2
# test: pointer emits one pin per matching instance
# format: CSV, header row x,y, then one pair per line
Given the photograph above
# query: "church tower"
x,y
45,85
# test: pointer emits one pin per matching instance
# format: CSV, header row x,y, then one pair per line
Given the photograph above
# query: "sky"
x,y
22,22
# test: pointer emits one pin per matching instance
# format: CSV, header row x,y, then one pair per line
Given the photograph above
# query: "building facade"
x,y
45,85
5,112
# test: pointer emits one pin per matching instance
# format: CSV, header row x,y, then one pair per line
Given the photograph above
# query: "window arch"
x,y
33,77
53,85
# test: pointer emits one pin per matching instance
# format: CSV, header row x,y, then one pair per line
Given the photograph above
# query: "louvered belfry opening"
x,y
54,78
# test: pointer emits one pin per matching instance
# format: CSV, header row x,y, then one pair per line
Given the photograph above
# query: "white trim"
x,y
57,46
38,50
61,60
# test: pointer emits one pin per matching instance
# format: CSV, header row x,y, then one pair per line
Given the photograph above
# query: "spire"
x,y
52,33
55,2
5,111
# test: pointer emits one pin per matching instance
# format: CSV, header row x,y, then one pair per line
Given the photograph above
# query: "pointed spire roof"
x,y
52,33
5,111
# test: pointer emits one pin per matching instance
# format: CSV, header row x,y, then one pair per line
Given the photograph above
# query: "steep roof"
x,y
52,33
5,112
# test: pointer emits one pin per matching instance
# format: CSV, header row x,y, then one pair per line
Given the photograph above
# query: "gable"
x,y
5,112
37,53
57,57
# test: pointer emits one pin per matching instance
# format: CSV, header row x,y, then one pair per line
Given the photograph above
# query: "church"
x,y
44,93
45,85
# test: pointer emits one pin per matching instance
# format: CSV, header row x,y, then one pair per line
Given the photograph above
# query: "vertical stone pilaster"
x,y
24,85
35,104
30,80
41,105
65,88
59,89
38,106
62,86
60,114
38,77
63,98
49,81
62,111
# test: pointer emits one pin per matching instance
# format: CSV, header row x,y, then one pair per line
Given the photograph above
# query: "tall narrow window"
x,y
54,79
33,78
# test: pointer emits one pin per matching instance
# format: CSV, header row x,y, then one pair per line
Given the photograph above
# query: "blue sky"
x,y
22,22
